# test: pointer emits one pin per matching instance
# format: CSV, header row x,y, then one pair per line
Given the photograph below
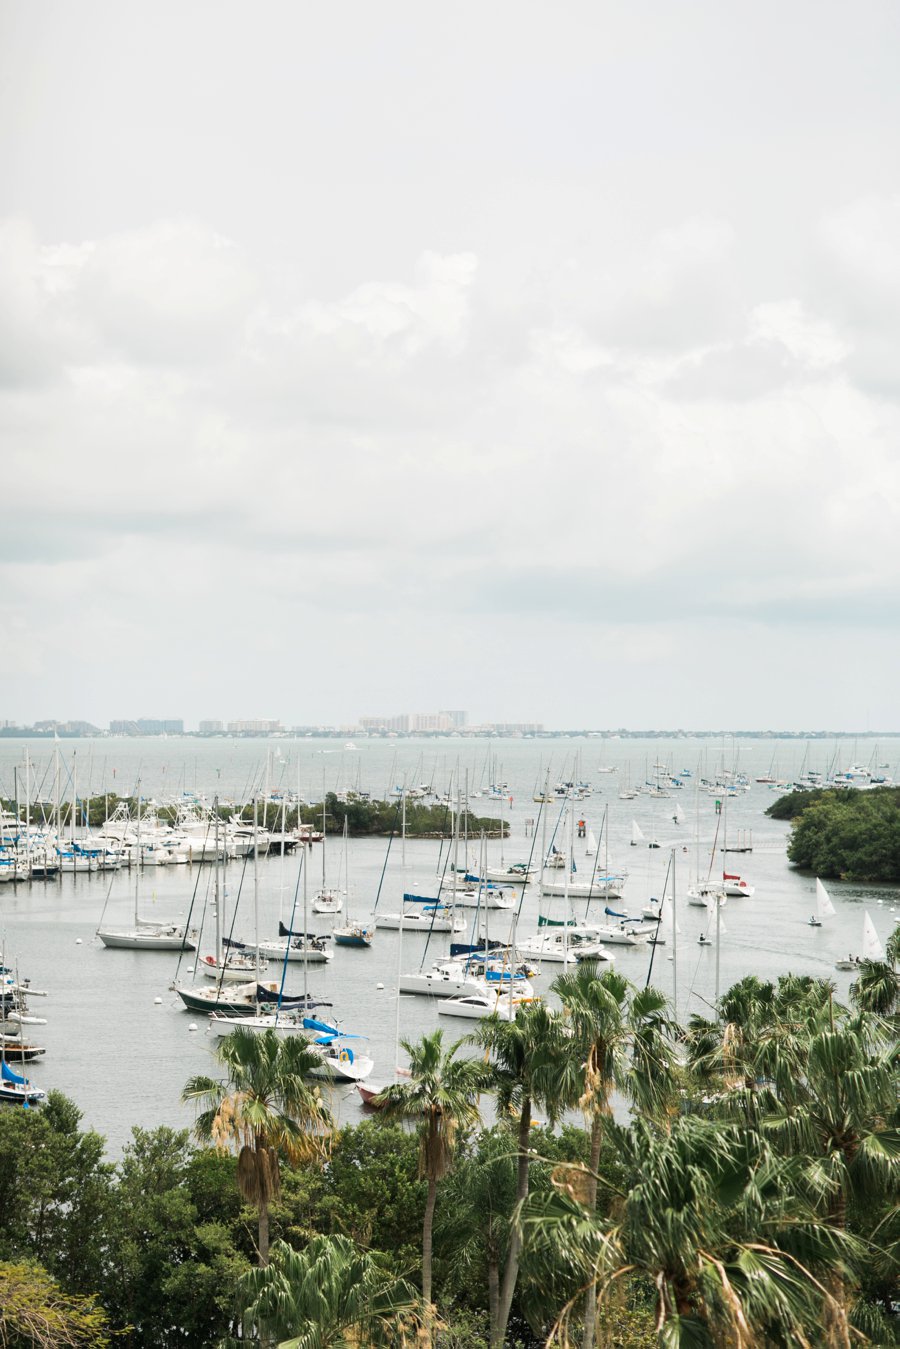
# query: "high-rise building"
x,y
211,727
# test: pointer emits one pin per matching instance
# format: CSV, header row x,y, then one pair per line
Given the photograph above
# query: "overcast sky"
x,y
536,359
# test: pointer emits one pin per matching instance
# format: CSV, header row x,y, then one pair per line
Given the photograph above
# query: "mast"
x,y
218,887
256,880
674,944
137,873
305,920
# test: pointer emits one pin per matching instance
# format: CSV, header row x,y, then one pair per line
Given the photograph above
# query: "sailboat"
x,y
872,948
824,906
327,901
147,934
591,847
637,834
352,933
17,1090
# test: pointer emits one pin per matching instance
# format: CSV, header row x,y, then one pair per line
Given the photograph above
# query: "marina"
x,y
114,1023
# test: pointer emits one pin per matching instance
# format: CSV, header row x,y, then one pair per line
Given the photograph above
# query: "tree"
x,y
718,1225
330,1295
878,987
262,1107
622,1041
36,1314
531,1063
441,1096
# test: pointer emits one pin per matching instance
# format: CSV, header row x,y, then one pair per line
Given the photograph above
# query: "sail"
x,y
612,912
591,848
667,923
289,932
420,899
824,906
637,834
872,947
9,1075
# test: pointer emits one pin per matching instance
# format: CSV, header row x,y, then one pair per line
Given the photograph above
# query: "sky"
x,y
540,360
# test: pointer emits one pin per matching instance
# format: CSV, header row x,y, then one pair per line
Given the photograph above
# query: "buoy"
x,y
379,985
157,1001
77,941
192,1026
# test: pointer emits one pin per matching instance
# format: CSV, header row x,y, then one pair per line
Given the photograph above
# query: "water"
x,y
124,1059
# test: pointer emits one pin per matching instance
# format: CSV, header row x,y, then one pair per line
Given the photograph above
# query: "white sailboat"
x,y
328,900
637,834
147,934
591,846
872,948
824,906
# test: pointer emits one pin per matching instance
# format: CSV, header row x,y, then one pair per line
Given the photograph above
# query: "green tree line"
x,y
845,835
748,1198
363,817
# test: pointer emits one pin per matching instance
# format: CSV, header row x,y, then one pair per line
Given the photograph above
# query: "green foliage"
x,y
791,805
170,1276
849,835
330,1295
54,1192
36,1314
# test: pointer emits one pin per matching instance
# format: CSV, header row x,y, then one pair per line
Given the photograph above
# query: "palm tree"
x,y
330,1295
623,1040
878,987
713,1220
262,1107
441,1097
531,1064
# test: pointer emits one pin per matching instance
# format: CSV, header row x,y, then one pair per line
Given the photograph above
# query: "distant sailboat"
x,y
637,834
824,906
872,948
591,849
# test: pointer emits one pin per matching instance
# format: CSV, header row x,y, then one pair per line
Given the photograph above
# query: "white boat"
x,y
234,968
598,887
637,834
477,1005
328,901
145,934
480,897
423,914
517,873
872,948
824,906
302,947
341,1062
622,934
459,978
728,884
149,936
591,845
565,945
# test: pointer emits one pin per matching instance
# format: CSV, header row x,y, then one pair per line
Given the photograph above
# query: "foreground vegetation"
x,y
750,1201
844,835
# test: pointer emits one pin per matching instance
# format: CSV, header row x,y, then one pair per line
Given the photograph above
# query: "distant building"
x,y
146,726
457,719
212,727
258,726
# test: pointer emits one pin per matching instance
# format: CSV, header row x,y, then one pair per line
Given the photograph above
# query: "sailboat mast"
x,y
305,919
674,944
256,880
218,886
137,870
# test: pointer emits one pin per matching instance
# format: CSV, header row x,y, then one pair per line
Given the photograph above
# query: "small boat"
x,y
234,968
354,934
824,906
328,901
236,998
474,1006
16,1090
308,947
19,1051
340,1061
872,948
